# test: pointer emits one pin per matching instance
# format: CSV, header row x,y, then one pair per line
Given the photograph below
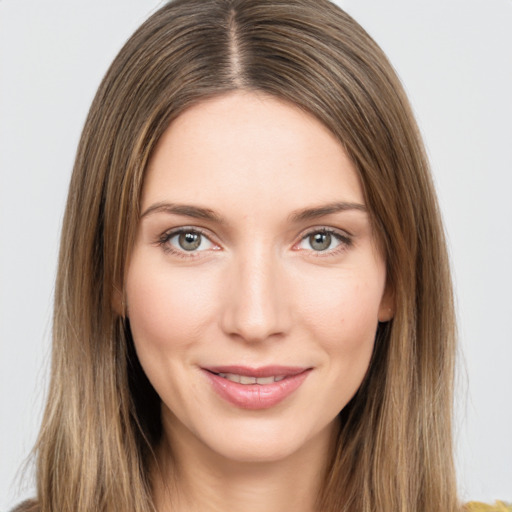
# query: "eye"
x,y
186,240
189,241
324,240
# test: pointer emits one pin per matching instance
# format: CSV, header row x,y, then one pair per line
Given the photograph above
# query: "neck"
x,y
193,478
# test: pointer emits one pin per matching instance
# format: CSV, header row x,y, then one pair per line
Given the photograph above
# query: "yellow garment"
x,y
499,506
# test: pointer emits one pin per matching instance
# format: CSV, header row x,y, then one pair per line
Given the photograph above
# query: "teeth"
x,y
233,377
264,380
245,379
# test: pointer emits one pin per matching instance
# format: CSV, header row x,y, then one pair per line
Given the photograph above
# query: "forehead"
x,y
247,151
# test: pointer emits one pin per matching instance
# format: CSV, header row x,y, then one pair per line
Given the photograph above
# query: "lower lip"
x,y
256,396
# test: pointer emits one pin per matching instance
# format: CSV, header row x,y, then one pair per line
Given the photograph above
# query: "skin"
x,y
256,292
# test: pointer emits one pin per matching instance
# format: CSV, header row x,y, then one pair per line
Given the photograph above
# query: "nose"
x,y
256,305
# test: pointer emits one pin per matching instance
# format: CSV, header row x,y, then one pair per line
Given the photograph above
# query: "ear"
x,y
387,304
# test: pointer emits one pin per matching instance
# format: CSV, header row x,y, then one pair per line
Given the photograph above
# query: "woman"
x,y
229,143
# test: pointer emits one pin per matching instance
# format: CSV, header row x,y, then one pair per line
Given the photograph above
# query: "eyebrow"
x,y
327,209
198,212
186,210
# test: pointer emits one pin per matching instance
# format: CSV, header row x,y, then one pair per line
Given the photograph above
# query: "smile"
x,y
247,379
259,388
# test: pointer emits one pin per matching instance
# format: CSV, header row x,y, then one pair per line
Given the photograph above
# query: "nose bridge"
x,y
256,305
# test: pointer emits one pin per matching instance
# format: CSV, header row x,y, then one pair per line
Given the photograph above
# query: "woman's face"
x,y
255,285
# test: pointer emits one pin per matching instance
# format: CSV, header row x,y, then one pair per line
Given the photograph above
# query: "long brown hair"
x,y
102,419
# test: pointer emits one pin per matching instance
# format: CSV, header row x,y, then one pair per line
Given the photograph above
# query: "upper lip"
x,y
260,371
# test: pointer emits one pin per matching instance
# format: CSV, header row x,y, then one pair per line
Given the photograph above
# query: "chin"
x,y
266,441
261,451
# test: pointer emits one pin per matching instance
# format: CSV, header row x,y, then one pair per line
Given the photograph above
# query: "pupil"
x,y
189,241
320,241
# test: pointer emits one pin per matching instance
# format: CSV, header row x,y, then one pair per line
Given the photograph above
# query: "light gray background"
x,y
455,58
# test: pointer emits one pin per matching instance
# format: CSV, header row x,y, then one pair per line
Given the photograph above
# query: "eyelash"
x,y
163,241
342,237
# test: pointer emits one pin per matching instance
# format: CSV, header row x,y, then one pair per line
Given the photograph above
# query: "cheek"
x,y
166,308
343,319
345,310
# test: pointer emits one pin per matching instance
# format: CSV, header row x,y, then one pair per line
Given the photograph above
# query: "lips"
x,y
255,388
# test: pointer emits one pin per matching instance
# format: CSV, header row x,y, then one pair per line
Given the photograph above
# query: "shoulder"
x,y
476,506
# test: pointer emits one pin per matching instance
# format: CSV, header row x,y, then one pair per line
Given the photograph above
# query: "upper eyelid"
x,y
326,229
208,234
168,233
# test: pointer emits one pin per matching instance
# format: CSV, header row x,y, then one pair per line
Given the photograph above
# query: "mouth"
x,y
256,388
247,379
